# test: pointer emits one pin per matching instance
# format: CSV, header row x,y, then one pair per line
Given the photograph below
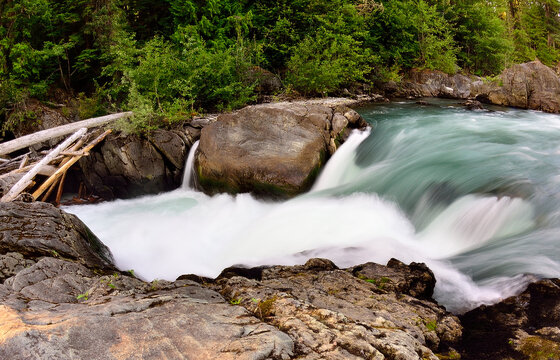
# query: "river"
x,y
473,194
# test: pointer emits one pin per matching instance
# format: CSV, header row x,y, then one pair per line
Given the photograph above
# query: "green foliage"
x,y
420,36
163,80
431,325
327,61
484,45
167,60
436,47
236,301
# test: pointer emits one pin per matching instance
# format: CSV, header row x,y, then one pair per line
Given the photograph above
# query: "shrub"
x,y
326,61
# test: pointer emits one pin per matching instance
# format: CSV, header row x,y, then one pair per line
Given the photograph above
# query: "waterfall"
x,y
474,195
340,165
189,180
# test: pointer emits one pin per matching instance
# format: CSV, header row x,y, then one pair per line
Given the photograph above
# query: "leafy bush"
x,y
325,62
166,81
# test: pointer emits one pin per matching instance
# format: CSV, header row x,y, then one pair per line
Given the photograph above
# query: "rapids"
x,y
473,194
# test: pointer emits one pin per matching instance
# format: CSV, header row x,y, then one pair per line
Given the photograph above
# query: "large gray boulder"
x,y
129,166
271,149
532,85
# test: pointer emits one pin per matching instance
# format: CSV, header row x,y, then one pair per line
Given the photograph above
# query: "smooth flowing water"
x,y
474,194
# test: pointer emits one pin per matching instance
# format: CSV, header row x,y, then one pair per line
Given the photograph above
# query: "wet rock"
x,y
416,279
332,314
530,85
430,83
473,105
520,327
270,149
125,167
40,229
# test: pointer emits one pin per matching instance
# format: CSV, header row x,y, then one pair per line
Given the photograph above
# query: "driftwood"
x,y
44,135
23,161
62,170
60,188
26,180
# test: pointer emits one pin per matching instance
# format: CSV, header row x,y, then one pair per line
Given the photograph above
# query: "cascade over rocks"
x,y
272,149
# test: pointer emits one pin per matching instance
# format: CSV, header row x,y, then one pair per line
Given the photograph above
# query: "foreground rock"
x,y
528,86
343,314
271,149
31,231
526,326
67,303
62,298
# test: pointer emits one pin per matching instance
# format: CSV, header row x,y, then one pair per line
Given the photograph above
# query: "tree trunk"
x,y
44,135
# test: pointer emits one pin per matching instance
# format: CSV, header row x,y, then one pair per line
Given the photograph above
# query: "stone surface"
x,y
266,82
40,229
530,85
430,83
416,279
68,312
129,166
332,314
526,326
271,149
43,117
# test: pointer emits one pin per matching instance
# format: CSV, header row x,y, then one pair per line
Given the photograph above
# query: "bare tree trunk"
x,y
44,135
24,182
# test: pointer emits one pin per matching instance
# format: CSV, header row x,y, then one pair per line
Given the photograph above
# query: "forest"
x,y
169,60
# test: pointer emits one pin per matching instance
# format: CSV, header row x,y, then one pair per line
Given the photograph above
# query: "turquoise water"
x,y
474,194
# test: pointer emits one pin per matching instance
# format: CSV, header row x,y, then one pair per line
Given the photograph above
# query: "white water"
x,y
188,176
393,193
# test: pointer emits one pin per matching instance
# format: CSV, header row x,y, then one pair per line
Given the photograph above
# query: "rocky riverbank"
x,y
61,297
528,86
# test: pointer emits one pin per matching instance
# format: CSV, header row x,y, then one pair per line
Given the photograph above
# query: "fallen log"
x,y
67,165
23,161
22,142
26,180
73,149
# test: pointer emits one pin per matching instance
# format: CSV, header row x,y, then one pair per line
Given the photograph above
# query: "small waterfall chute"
x,y
341,163
189,180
